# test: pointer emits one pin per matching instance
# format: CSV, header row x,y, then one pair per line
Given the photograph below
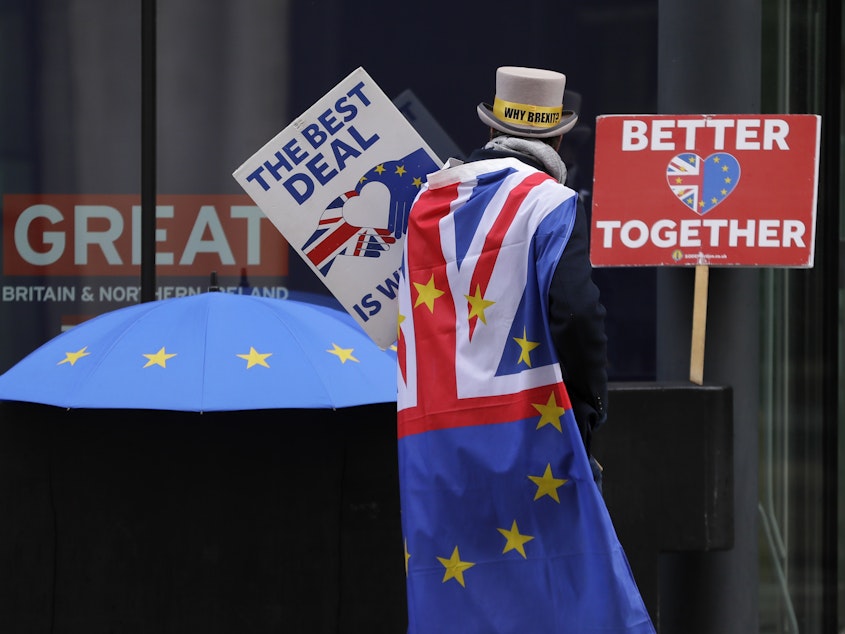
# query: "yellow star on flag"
x,y
407,557
378,169
516,540
255,358
400,169
526,347
550,413
478,305
455,567
400,318
417,182
547,484
427,293
73,357
159,358
344,354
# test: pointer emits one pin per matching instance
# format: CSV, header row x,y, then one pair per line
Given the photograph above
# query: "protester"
x,y
502,363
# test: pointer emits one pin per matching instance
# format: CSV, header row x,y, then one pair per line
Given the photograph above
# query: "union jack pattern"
x,y
685,178
505,530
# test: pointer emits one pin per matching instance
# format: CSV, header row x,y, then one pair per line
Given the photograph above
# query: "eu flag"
x,y
505,530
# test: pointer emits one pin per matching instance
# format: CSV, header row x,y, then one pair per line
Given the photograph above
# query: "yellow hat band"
x,y
526,114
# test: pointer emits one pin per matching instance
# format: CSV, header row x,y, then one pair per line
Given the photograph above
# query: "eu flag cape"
x,y
505,530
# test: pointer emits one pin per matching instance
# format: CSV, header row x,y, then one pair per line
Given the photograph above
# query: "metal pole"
x,y
831,285
148,148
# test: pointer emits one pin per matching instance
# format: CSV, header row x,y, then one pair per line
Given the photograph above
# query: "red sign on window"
x,y
717,190
71,235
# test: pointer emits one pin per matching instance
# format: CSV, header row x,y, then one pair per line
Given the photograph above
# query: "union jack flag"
x,y
504,528
685,178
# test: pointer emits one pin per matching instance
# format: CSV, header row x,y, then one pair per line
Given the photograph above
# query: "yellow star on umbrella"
x,y
73,357
344,354
526,347
515,540
550,413
478,305
455,567
256,358
159,358
427,293
547,484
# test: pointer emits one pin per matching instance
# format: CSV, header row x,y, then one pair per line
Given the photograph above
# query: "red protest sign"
x,y
716,190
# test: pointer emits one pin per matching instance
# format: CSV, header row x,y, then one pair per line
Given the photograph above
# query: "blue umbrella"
x,y
209,352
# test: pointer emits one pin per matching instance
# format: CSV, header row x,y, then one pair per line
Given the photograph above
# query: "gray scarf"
x,y
535,149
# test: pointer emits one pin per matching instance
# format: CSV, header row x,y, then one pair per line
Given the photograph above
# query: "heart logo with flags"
x,y
701,184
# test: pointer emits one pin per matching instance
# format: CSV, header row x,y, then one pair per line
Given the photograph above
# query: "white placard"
x,y
338,183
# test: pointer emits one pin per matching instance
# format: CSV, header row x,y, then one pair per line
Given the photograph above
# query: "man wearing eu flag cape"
x,y
502,380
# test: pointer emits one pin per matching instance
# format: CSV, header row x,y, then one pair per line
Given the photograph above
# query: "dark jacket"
x,y
576,319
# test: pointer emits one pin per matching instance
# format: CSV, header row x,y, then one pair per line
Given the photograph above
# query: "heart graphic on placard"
x,y
364,222
701,184
370,208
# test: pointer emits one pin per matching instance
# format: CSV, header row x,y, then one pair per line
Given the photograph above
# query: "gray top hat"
x,y
528,103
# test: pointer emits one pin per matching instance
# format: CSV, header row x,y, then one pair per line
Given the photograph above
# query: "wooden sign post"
x,y
699,325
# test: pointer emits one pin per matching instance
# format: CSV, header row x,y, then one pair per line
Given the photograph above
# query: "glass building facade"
x,y
105,104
